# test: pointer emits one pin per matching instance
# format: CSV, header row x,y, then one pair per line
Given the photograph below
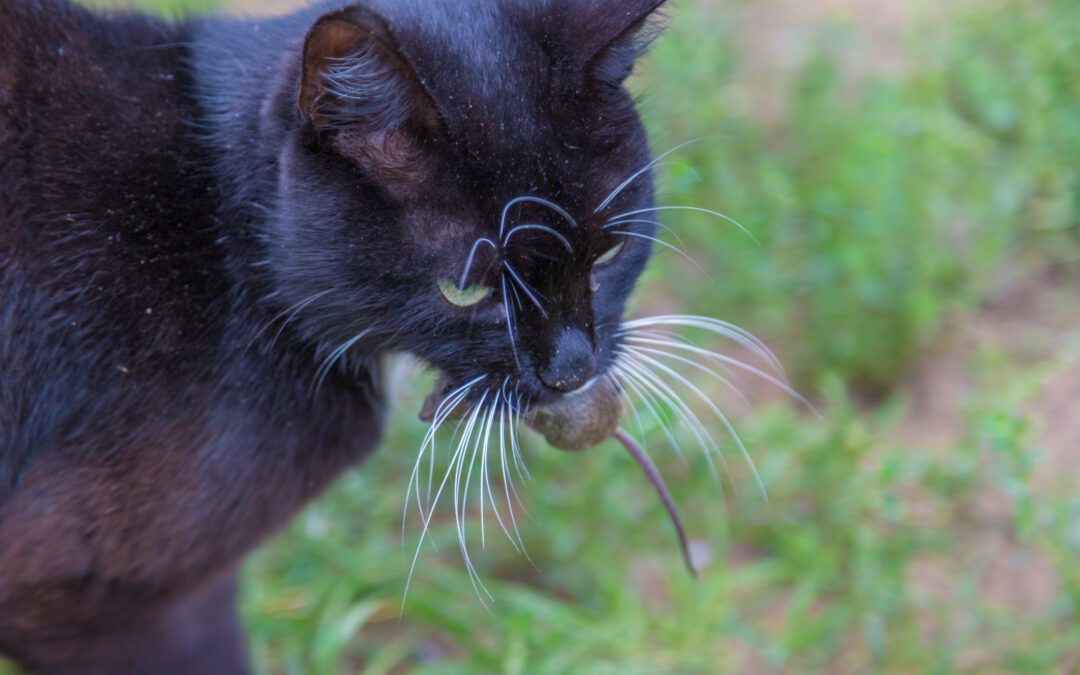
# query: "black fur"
x,y
172,194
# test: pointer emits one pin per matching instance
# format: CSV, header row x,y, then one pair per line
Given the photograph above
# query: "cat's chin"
x,y
573,422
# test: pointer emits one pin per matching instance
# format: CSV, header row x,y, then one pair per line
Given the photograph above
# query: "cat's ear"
x,y
619,38
354,76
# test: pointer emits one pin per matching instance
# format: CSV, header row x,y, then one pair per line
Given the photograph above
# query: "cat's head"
x,y
468,182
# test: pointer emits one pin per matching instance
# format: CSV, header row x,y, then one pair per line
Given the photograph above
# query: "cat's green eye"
x,y
467,297
610,255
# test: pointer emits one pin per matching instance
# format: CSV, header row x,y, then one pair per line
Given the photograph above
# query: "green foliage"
x,y
880,207
821,578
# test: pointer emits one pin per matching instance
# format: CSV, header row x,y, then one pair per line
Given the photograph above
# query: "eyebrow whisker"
x,y
534,200
696,209
472,258
637,174
542,228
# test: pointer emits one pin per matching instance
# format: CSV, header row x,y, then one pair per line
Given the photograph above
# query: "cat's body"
x,y
162,407
149,436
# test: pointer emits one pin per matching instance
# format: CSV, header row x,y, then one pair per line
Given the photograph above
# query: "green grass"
x,y
886,211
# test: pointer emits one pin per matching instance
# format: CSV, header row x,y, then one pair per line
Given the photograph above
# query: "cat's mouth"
x,y
576,421
590,416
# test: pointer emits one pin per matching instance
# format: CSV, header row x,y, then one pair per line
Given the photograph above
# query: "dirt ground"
x,y
1032,321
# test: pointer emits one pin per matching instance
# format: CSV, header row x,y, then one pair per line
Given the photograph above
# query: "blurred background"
x,y
910,173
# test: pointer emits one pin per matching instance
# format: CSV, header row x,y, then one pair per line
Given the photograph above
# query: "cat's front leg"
x,y
199,632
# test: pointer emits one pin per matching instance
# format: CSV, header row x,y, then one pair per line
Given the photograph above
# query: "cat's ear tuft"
x,y
355,77
623,37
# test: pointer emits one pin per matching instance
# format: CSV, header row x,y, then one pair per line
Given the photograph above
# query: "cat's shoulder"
x,y
36,35
26,22
16,19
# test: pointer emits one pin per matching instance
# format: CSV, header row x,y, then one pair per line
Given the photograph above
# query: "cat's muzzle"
x,y
576,421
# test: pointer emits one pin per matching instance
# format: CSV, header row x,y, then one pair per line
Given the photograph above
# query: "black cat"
x,y
212,234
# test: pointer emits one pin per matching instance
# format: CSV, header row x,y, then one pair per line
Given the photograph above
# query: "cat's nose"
x,y
571,364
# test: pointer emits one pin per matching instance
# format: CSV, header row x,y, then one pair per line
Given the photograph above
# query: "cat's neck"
x,y
246,75
243,70
240,67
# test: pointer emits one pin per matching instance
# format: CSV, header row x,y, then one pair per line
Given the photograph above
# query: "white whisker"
x,y
292,312
640,172
517,296
725,360
455,462
665,335
730,330
509,321
505,478
697,366
648,379
472,258
529,292
716,411
651,403
480,450
534,200
612,377
515,446
460,503
542,228
328,364
442,413
661,242
508,483
657,223
696,209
